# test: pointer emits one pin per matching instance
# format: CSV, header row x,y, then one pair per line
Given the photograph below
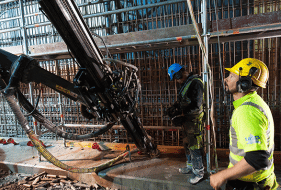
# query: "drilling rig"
x,y
102,92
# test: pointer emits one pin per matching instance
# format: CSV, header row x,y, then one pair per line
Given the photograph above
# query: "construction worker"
x,y
251,131
187,112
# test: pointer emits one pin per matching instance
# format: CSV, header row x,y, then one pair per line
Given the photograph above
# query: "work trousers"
x,y
269,183
193,143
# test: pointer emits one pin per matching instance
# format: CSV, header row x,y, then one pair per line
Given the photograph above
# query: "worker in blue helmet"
x,y
187,112
173,69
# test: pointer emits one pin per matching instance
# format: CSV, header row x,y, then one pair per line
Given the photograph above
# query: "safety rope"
x,y
219,48
203,49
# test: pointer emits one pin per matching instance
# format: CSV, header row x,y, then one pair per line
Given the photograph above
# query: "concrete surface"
x,y
141,173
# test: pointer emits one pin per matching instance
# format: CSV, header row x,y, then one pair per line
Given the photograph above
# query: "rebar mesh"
x,y
157,93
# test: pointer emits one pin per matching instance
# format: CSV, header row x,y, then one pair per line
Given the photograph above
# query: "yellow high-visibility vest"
x,y
252,129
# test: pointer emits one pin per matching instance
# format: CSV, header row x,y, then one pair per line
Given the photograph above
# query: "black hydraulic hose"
x,y
36,105
16,75
9,96
52,127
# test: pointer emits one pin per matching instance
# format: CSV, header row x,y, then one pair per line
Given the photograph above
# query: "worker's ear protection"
x,y
245,82
178,75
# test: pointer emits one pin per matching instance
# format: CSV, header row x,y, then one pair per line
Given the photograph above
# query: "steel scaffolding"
x,y
152,57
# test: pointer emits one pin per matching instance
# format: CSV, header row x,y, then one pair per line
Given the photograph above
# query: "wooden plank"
x,y
52,50
147,35
17,50
122,147
143,40
247,21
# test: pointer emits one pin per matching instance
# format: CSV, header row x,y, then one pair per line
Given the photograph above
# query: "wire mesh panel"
x,y
10,23
157,91
105,18
109,17
117,17
266,50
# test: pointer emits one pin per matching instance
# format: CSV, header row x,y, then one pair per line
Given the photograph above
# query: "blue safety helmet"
x,y
173,69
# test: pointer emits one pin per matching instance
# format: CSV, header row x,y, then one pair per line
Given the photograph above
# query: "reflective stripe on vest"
x,y
184,90
240,152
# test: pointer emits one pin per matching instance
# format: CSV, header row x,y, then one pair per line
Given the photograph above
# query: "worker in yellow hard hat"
x,y
251,131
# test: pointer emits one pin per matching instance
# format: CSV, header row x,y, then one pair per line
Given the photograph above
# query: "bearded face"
x,y
230,83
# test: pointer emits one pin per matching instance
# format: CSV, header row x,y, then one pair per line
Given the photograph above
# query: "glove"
x,y
170,111
173,111
184,104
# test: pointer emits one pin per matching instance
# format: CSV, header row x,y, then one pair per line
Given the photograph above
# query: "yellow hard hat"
x,y
243,67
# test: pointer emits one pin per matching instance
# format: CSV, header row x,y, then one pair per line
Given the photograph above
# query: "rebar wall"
x,y
157,93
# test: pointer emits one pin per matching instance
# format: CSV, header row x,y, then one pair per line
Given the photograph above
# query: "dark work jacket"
x,y
191,100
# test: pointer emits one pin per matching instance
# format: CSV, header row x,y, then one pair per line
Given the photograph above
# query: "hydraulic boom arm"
x,y
103,93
